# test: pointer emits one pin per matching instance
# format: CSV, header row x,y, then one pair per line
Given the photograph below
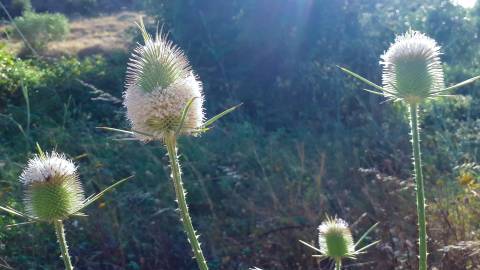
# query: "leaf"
x,y
27,103
126,139
91,199
366,233
20,224
17,213
146,36
373,92
184,115
10,118
351,73
310,246
40,151
132,132
200,130
220,115
117,130
458,85
365,247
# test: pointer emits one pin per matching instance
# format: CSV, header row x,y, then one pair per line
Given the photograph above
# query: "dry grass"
x,y
87,36
100,34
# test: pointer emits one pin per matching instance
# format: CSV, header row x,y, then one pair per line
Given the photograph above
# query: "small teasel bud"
x,y
335,239
412,70
53,190
160,83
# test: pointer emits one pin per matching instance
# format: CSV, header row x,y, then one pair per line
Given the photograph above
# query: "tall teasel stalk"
x,y
412,74
53,193
336,242
164,100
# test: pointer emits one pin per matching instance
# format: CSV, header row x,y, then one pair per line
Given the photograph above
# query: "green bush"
x,y
15,73
40,28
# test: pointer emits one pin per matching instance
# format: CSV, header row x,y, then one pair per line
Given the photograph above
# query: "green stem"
x,y
422,227
338,264
171,143
60,231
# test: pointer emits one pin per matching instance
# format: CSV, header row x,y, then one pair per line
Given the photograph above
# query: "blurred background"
x,y
307,141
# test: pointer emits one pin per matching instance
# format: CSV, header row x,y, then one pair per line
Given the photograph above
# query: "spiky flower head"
x,y
53,190
412,70
160,83
335,239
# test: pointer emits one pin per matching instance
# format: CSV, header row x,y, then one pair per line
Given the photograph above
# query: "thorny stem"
x,y
422,227
171,143
62,241
338,264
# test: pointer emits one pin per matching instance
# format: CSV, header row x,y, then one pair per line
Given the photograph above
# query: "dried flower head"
x,y
158,112
160,83
335,239
53,190
412,70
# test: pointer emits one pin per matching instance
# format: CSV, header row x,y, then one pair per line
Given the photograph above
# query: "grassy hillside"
x,y
89,36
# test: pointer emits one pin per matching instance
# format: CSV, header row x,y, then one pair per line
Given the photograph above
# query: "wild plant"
x,y
53,193
164,100
336,242
38,29
412,74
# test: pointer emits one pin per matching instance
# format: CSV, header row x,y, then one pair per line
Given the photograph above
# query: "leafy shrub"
x,y
41,28
15,73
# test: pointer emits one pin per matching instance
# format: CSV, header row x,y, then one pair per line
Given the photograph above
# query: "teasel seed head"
x,y
53,190
335,239
160,83
412,70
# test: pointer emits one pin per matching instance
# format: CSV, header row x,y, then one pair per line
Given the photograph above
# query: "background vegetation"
x,y
306,143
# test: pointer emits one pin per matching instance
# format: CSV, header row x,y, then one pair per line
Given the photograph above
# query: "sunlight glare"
x,y
465,3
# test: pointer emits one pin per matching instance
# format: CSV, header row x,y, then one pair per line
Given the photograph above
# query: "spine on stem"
x,y
62,241
171,143
422,226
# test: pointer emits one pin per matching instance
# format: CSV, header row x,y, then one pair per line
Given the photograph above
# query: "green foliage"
x,y
41,28
15,73
306,141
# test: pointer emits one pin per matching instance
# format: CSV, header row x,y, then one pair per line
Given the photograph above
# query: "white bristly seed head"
x,y
52,166
412,70
53,190
158,112
160,83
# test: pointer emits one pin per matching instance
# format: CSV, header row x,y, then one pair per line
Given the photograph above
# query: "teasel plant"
x,y
413,74
53,194
335,242
164,100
